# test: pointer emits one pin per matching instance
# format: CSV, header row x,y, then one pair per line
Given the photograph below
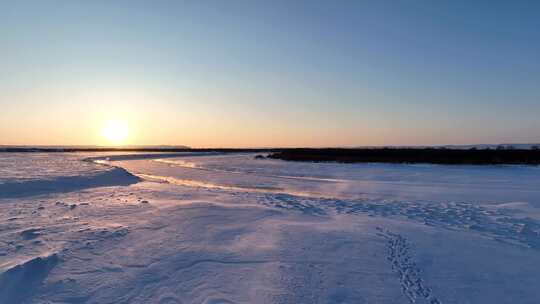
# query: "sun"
x,y
115,131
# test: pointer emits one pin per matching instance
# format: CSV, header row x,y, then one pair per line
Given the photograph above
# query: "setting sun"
x,y
115,132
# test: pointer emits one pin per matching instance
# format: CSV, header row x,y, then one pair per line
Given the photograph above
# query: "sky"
x,y
269,73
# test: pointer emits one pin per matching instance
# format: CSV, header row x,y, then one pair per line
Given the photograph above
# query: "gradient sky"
x,y
270,73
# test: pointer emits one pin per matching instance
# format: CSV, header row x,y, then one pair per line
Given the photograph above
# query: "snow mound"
x,y
111,177
18,282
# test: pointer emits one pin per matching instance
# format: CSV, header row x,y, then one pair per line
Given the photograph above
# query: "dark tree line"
x,y
414,155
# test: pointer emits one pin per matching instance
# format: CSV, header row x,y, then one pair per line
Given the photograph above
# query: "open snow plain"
x,y
210,228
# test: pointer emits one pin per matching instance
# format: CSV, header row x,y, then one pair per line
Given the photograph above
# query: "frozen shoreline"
x,y
97,172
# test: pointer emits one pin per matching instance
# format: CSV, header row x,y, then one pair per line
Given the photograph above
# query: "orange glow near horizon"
x,y
115,132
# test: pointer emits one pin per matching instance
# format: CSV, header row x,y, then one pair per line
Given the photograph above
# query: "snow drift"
x,y
18,283
111,177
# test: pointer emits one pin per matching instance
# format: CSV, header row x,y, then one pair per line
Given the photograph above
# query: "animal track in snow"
x,y
498,224
412,285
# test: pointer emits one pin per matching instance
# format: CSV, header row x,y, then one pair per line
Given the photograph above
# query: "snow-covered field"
x,y
211,228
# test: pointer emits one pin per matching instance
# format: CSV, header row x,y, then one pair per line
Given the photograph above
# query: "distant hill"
x,y
94,147
165,149
88,148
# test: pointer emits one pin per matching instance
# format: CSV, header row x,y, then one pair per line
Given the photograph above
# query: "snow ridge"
x,y
18,283
110,177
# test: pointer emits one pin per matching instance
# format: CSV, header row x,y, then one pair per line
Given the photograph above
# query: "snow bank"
x,y
111,177
18,283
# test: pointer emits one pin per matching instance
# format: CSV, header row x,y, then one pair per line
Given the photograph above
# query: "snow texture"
x,y
214,228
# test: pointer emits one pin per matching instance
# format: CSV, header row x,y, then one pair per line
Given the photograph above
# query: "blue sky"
x,y
271,73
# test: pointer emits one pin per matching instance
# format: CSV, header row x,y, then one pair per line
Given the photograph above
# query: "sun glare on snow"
x,y
116,132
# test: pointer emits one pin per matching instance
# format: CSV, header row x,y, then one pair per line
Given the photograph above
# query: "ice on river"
x,y
213,228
